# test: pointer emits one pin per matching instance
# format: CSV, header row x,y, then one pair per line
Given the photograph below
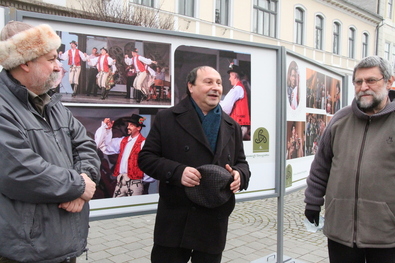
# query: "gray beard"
x,y
377,99
49,83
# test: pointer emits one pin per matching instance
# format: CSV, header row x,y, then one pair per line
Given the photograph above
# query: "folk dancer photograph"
x,y
73,57
140,64
106,68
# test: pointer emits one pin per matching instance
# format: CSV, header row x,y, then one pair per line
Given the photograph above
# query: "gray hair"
x,y
375,61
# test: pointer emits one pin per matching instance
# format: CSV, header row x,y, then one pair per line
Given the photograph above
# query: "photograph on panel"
x,y
107,70
235,71
119,134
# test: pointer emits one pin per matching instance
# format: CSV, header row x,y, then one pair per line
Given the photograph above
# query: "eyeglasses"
x,y
369,81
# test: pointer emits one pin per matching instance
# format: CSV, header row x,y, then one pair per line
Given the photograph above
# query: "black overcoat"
x,y
175,141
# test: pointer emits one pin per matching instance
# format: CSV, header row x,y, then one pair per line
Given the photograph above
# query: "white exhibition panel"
x,y
298,167
264,87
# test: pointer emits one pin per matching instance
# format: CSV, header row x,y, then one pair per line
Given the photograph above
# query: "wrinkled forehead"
x,y
368,72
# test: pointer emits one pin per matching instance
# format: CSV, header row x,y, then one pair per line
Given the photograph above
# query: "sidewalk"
x,y
252,235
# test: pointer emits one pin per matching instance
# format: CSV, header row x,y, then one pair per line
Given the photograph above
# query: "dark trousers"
x,y
339,253
129,84
139,95
6,260
162,254
92,81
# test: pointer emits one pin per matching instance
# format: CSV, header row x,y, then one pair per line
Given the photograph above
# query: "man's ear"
x,y
390,82
25,67
190,87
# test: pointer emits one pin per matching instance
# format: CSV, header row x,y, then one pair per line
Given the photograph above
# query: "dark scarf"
x,y
210,123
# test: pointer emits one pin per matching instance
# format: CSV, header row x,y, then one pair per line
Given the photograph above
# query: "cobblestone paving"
x,y
252,235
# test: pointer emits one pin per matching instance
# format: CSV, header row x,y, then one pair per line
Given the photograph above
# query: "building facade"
x,y
336,33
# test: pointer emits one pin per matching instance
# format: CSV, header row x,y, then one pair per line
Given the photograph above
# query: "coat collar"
x,y
187,118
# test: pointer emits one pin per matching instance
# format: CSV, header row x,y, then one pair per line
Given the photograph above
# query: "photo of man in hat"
x,y
235,103
74,57
129,176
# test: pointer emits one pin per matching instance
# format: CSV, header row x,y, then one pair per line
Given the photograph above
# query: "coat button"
x,y
186,148
168,175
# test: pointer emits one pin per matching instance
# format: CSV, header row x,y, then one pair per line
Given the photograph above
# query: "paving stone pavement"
x,y
252,235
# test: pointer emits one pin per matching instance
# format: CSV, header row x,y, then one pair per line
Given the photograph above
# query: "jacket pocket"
x,y
339,220
376,223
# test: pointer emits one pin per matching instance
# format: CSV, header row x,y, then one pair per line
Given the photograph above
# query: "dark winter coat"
x,y
175,141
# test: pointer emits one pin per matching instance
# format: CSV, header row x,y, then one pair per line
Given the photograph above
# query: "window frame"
x,y
319,32
351,42
336,38
299,25
265,18
141,2
183,6
222,12
387,50
365,44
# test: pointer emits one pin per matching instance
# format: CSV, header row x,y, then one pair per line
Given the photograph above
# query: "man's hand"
x,y
313,216
74,206
235,185
90,188
108,123
190,177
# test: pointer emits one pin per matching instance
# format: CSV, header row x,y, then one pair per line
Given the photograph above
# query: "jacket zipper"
x,y
357,180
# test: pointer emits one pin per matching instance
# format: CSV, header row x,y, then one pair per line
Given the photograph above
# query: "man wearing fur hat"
x,y
49,165
129,176
74,57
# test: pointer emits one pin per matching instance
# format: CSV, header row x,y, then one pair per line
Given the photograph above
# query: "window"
x,y
365,40
387,47
393,54
222,12
265,17
187,7
351,43
336,38
389,10
299,24
149,3
319,28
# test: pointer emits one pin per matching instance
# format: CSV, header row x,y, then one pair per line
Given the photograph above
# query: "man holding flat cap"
x,y
183,139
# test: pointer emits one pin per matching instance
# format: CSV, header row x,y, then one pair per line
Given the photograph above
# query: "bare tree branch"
x,y
118,11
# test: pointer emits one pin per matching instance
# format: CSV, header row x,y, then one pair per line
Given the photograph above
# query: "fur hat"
x,y
28,45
